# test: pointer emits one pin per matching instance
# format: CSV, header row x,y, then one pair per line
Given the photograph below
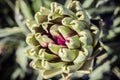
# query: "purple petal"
x,y
60,40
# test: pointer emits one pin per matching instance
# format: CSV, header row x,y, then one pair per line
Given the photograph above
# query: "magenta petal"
x,y
60,40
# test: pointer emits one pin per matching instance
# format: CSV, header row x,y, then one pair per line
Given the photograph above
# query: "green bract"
x,y
62,40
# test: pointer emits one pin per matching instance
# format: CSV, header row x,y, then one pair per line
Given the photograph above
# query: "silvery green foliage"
x,y
62,40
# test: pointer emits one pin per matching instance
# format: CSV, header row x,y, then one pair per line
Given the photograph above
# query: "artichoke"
x,y
62,40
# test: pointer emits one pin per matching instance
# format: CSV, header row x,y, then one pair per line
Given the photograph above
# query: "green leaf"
x,y
19,17
17,73
20,56
67,2
40,18
116,22
9,31
68,55
87,3
25,9
100,70
47,3
51,73
36,4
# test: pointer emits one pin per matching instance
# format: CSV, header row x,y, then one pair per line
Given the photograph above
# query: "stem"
x,y
10,4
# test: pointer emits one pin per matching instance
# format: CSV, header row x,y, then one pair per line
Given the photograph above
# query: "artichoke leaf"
x,y
87,66
31,40
82,16
61,10
66,31
72,68
56,35
67,54
45,55
54,31
66,21
77,26
37,64
80,58
86,37
32,25
51,73
88,50
96,33
73,42
40,18
32,52
54,48
44,40
51,65
75,6
46,26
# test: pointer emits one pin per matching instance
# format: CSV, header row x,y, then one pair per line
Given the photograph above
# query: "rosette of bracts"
x,y
63,40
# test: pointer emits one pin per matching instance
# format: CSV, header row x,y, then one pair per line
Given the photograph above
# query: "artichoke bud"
x,y
63,39
67,54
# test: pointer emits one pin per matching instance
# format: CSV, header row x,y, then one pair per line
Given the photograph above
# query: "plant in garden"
x,y
63,40
13,62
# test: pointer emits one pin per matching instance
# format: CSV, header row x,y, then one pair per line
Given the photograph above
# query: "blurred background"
x,y
14,65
